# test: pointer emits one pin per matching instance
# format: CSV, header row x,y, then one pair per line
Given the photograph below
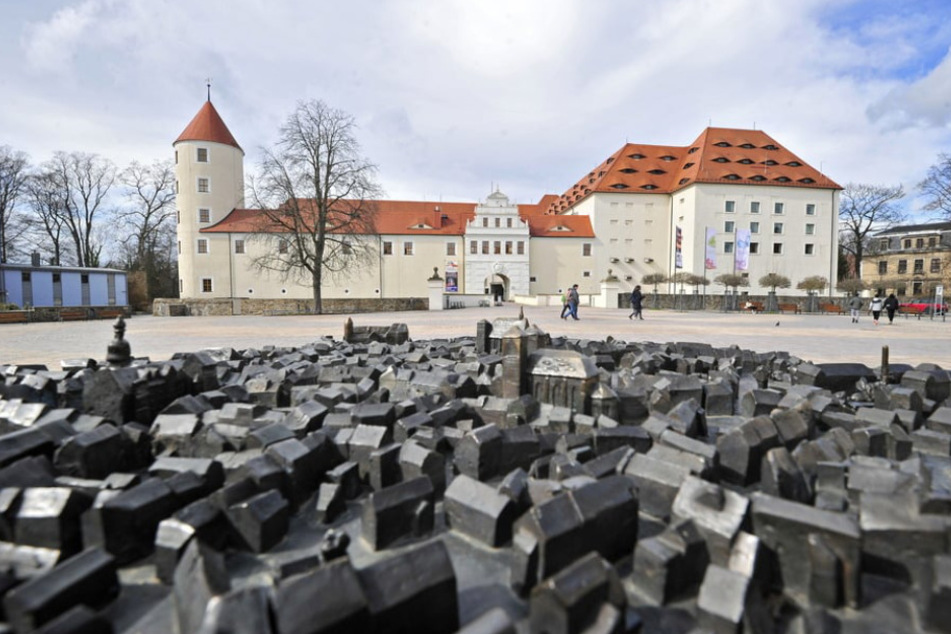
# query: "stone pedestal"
x,y
610,287
436,291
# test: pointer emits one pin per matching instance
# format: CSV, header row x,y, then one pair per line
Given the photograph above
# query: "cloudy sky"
x,y
454,97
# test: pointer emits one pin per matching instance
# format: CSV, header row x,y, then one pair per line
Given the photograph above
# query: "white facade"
x,y
497,240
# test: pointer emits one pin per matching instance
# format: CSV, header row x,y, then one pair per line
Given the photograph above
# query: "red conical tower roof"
x,y
208,126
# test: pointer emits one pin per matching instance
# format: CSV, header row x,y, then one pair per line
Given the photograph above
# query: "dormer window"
x,y
783,179
747,146
618,186
770,162
732,177
722,144
656,172
648,186
758,178
770,147
692,150
668,158
721,159
628,170
688,165
745,161
807,180
636,156
794,164
683,180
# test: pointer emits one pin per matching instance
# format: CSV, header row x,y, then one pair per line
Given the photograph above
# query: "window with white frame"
x,y
387,247
283,246
202,155
203,186
777,227
485,247
729,206
810,229
204,216
451,248
520,248
810,209
508,247
239,246
777,248
497,247
407,248
754,227
206,285
202,245
473,247
729,226
754,248
728,247
754,207
810,249
778,208
586,249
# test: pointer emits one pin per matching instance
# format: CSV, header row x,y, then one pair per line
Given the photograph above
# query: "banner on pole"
x,y
742,249
678,250
710,259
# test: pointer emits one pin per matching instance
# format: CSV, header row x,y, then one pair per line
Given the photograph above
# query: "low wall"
x,y
170,307
721,302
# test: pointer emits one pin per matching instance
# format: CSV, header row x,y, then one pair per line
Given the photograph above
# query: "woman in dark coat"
x,y
891,305
636,298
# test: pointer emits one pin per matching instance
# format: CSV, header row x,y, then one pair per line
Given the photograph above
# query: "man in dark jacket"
x,y
891,305
636,299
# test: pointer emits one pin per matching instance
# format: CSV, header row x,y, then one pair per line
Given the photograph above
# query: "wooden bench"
x,y
13,317
789,308
753,307
109,313
831,308
913,310
73,314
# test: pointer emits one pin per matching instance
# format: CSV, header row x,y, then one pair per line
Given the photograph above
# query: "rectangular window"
x,y
777,248
346,248
474,247
883,244
754,227
729,206
728,247
754,207
451,248
778,208
283,246
810,209
179,247
239,246
407,248
919,243
586,274
932,241
902,266
728,226
206,285
203,187
586,249
916,288
919,266
498,222
754,247
204,216
810,249
508,222
935,265
777,227
485,247
810,229
520,249
202,245
202,155
485,222
178,216
508,247
387,247
882,267
497,247
908,243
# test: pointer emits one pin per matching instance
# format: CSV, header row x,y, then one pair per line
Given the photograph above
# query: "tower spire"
x,y
208,85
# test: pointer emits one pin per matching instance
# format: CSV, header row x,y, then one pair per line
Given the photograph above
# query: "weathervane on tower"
x,y
208,84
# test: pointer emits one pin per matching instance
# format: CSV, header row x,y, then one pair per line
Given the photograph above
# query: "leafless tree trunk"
x,y
864,208
148,225
45,198
936,187
14,168
84,181
316,195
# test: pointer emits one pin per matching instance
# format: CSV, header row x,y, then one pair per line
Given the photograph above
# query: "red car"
x,y
923,306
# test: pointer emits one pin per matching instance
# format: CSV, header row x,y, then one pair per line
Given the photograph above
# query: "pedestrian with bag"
x,y
637,299
876,308
573,300
891,305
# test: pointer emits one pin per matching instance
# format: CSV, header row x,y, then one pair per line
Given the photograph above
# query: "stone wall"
x,y
166,307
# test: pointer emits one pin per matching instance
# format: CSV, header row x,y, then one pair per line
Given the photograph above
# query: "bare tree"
x,y
83,182
148,223
862,209
14,168
316,194
45,198
936,186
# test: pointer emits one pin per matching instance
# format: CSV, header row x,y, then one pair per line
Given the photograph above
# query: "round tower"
x,y
209,173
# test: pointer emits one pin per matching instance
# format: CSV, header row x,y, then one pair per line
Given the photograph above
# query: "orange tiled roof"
x,y
208,125
400,217
718,155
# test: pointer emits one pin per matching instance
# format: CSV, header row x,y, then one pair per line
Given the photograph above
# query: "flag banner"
x,y
710,259
742,250
452,277
678,252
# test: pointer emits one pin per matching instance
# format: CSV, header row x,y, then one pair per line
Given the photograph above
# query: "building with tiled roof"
x,y
621,218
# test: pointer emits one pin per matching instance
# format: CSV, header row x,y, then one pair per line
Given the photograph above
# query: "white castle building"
x,y
739,201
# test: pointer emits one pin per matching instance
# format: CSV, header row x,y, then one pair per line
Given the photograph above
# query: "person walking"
x,y
637,299
891,305
573,300
876,308
564,305
855,305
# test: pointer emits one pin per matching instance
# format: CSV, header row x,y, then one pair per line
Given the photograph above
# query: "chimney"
x,y
35,259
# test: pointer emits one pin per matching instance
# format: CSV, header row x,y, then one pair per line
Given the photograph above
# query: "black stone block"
x,y
199,577
400,511
479,511
91,454
385,467
342,607
571,600
49,517
261,521
125,524
88,578
479,453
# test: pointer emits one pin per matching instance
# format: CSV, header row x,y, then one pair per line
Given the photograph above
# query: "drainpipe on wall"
x,y
231,269
833,256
